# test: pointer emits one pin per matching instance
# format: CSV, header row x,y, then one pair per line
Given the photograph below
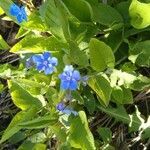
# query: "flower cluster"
x,y
18,12
43,62
69,77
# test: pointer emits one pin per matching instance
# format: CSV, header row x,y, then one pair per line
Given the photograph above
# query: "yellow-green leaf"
x,y
102,88
21,97
139,13
80,135
101,55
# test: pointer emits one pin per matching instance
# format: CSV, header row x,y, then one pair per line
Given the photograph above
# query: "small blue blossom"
x,y
45,62
18,12
69,78
66,110
29,63
60,106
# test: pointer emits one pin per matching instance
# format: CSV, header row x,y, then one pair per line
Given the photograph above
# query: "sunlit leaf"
x,y
101,55
79,133
140,18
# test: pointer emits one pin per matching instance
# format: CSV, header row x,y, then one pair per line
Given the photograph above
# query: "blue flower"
x,y
66,110
60,106
69,78
45,62
29,63
18,12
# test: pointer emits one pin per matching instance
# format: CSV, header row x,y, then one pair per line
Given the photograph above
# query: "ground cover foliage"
x,y
74,74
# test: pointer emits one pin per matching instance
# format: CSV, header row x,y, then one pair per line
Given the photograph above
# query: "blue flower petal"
x,y
54,61
40,67
63,76
48,70
64,85
69,111
73,85
76,75
60,106
37,58
19,18
46,55
29,63
68,68
14,10
24,15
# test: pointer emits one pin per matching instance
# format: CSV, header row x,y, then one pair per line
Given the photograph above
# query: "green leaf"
x,y
106,15
146,133
128,80
63,17
89,99
114,40
18,118
1,87
77,56
105,134
38,44
59,131
3,44
140,54
38,137
101,85
5,5
123,9
34,22
101,55
80,9
1,11
79,133
146,129
51,16
140,18
22,32
134,121
18,137
27,145
119,113
38,123
21,97
122,95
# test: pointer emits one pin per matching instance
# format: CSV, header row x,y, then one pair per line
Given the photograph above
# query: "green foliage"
x,y
21,97
79,133
3,44
14,127
1,11
80,9
101,55
50,15
140,53
138,13
78,56
105,134
107,43
106,15
38,123
38,44
32,146
122,95
101,85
